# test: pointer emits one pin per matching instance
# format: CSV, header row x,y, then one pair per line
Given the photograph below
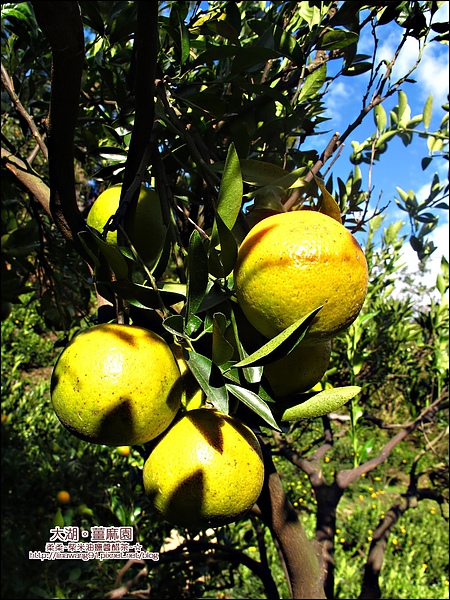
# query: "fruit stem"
x,y
165,312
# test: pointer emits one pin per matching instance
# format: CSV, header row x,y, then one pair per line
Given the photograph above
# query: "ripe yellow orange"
x,y
206,470
290,264
192,395
117,385
63,497
144,225
300,370
124,450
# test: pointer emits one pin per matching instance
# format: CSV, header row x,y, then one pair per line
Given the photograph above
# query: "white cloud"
x,y
440,238
339,92
433,74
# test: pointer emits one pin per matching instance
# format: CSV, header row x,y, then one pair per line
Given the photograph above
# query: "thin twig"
x,y
9,86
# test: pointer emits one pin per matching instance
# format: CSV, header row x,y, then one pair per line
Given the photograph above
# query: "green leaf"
x,y
254,402
357,69
280,345
197,275
337,39
328,205
193,325
250,57
223,29
321,404
231,189
92,17
282,185
425,162
311,12
210,379
260,173
20,11
402,104
274,36
21,241
223,249
214,53
434,144
313,83
113,256
58,519
175,325
380,117
265,90
252,374
222,350
185,42
144,296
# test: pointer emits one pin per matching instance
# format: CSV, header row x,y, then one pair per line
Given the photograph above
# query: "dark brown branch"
x,y
279,515
139,153
309,466
326,155
371,587
327,497
263,557
122,589
61,24
347,476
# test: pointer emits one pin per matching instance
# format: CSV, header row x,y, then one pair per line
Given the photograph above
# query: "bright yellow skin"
x,y
117,385
290,264
300,370
205,471
144,225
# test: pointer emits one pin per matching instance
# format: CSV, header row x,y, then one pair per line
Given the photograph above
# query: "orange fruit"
x,y
144,225
206,470
290,264
124,450
63,497
300,370
117,385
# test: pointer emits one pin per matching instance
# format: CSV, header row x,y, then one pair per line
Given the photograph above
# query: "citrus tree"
x,y
157,197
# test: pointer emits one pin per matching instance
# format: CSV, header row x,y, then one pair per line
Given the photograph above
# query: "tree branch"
x,y
345,477
9,86
193,550
139,152
61,24
279,515
29,178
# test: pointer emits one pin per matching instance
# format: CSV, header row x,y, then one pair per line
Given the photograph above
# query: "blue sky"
x,y
399,165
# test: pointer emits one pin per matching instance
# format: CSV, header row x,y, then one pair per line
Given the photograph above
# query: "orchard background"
x,y
217,106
